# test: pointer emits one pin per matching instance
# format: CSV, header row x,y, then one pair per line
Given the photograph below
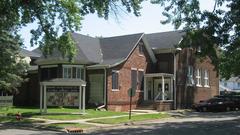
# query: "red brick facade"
x,y
119,100
187,95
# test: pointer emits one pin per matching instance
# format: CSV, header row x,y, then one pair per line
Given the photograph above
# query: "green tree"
x,y
211,30
15,14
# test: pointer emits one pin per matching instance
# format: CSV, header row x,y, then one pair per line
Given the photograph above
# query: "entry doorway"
x,y
158,92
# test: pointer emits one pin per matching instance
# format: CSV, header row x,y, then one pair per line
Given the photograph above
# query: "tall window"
x,y
238,84
190,80
134,79
206,78
198,78
141,48
115,80
67,72
140,80
74,72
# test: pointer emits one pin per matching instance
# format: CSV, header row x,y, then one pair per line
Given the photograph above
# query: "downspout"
x,y
174,79
105,87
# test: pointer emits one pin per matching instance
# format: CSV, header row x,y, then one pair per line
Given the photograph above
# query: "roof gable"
x,y
27,53
118,48
165,40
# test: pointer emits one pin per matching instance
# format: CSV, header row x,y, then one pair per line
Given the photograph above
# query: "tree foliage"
x,y
212,30
53,17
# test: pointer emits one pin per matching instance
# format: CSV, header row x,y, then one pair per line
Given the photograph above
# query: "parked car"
x,y
214,104
234,98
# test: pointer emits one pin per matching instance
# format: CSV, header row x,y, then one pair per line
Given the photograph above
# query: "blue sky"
x,y
148,22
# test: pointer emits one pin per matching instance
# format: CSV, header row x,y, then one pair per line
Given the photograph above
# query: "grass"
x,y
57,113
125,119
7,119
90,113
69,125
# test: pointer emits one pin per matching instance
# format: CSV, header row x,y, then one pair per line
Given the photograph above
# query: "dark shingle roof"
x,y
165,40
112,50
25,53
89,48
116,49
88,51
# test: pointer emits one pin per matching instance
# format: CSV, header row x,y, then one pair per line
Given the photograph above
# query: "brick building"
x,y
163,75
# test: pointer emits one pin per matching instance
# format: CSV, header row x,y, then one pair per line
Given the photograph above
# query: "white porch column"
x,y
83,97
45,98
172,90
163,88
80,98
41,87
145,89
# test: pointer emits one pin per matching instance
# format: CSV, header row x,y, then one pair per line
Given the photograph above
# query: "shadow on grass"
x,y
26,124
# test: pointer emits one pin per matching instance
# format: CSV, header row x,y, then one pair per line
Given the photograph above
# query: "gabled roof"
x,y
88,47
111,51
27,53
88,52
165,40
116,49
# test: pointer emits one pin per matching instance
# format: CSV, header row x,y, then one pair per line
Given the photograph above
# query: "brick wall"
x,y
119,100
187,95
29,92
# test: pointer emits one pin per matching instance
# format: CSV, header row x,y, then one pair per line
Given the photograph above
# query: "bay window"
x,y
73,71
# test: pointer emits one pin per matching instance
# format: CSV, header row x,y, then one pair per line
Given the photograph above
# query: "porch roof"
x,y
158,75
64,82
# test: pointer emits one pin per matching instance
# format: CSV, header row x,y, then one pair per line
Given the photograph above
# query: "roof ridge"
x,y
123,35
165,32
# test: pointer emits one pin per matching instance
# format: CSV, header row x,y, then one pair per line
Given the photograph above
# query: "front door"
x,y
157,89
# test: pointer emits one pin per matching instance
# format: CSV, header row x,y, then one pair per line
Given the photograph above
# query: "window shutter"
x,y
134,79
140,79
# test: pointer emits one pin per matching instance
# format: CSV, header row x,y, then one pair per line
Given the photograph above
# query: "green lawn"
x,y
134,118
7,119
57,113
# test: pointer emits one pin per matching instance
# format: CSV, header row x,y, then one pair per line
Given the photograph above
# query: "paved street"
x,y
194,124
231,127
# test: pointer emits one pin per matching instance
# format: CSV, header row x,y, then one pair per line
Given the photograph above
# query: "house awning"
x,y
158,75
64,82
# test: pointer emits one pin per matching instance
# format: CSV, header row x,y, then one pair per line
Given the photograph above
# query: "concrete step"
x,y
146,105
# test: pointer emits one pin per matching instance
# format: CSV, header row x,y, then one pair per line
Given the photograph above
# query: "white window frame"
x,y
71,67
115,71
67,68
190,80
198,77
206,79
238,84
